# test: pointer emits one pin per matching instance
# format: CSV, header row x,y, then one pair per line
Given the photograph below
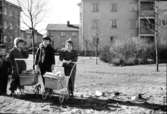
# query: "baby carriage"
x,y
56,83
28,77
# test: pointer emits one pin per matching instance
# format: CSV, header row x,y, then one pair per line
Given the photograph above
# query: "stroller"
x,y
28,77
56,83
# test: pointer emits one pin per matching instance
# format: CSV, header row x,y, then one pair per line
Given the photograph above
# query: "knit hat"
x,y
69,41
18,40
46,38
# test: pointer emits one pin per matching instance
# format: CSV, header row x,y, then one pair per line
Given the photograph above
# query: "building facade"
x,y
10,22
163,23
59,33
27,35
108,20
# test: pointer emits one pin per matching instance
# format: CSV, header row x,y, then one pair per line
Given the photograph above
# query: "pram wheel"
x,y
61,99
36,90
45,95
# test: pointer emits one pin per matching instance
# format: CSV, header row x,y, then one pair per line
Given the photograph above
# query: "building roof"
x,y
60,27
28,31
13,4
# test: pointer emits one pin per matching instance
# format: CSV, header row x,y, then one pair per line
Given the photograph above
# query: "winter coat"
x,y
66,55
4,72
17,65
45,57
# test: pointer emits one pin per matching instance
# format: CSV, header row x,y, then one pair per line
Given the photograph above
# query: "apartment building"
x,y
59,33
9,22
108,20
27,36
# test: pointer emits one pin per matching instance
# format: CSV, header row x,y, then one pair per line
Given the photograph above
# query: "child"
x,y
68,55
17,66
4,70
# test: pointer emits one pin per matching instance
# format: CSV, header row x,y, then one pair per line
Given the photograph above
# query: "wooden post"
x,y
156,33
33,46
166,82
97,43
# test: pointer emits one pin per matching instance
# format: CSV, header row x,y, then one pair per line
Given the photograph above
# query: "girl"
x,y
68,55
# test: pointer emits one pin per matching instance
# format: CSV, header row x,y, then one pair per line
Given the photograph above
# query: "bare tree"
x,y
96,44
32,12
32,15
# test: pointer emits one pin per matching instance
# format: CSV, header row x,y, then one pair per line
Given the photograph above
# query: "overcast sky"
x,y
59,11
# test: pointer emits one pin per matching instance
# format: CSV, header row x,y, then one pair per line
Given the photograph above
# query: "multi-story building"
x,y
10,22
163,22
27,35
108,20
59,33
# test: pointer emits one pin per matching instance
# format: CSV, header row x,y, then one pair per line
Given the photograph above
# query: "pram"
x,y
28,77
57,83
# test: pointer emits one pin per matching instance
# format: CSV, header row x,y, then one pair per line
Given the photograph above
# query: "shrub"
x,y
105,54
129,52
162,52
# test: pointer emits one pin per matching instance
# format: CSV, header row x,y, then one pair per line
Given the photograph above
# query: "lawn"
x,y
95,91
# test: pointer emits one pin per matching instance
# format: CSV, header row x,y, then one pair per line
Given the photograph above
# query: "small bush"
x,y
105,54
129,52
162,52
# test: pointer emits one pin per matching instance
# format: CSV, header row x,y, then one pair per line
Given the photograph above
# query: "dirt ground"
x,y
100,89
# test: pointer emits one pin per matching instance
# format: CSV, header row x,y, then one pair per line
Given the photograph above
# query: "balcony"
x,y
146,32
147,13
147,8
147,26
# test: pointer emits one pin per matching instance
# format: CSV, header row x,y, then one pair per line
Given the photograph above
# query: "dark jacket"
x,y
4,67
45,57
66,55
19,65
4,72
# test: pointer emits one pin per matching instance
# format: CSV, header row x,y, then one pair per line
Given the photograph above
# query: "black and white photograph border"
x,y
83,56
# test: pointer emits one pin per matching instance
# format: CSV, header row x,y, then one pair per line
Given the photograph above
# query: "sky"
x,y
59,12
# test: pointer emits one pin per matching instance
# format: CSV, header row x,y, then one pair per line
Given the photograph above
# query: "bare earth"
x,y
100,89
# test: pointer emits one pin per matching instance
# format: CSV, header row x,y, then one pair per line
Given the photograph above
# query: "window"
x,y
5,25
5,11
74,34
5,39
111,38
114,7
147,5
114,23
95,24
10,13
163,21
62,34
16,14
95,7
11,26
